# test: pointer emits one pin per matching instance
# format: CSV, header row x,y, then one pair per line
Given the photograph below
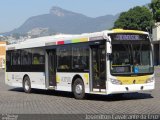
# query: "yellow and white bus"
x,y
106,62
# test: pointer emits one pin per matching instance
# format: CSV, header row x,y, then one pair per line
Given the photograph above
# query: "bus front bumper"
x,y
113,89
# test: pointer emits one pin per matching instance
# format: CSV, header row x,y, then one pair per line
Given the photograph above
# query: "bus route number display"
x,y
128,37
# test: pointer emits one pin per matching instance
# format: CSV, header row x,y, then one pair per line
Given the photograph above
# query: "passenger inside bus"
x,y
35,60
135,62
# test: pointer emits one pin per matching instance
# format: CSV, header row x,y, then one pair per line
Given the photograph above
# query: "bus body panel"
x,y
131,86
37,79
113,89
64,81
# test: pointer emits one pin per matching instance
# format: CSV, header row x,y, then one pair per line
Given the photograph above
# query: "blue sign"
x,y
136,70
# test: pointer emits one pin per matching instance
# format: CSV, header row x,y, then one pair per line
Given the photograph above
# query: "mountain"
x,y
63,21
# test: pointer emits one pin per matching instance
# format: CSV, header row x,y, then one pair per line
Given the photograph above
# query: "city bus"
x,y
108,62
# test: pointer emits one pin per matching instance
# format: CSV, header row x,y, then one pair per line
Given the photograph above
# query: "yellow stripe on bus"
x,y
134,80
127,31
86,77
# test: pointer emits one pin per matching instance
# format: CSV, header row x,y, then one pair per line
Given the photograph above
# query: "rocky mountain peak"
x,y
57,11
60,12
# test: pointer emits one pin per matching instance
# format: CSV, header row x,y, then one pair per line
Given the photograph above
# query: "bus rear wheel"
x,y
78,89
27,85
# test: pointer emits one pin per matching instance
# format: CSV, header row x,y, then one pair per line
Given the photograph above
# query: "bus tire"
x,y
27,85
78,89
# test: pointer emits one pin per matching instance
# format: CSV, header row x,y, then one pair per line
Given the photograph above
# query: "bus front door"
x,y
98,68
52,67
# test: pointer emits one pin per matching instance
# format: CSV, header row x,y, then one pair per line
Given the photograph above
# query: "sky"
x,y
14,13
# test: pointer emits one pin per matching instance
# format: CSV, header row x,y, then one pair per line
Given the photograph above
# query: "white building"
x,y
156,43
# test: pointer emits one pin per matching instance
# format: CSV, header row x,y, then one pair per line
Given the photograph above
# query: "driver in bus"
x,y
135,62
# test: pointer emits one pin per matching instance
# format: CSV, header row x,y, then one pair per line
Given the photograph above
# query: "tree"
x,y
155,7
137,18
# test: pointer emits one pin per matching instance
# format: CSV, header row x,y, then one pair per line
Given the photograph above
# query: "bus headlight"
x,y
149,80
115,81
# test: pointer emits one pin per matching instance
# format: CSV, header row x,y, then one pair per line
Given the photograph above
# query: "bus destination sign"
x,y
128,37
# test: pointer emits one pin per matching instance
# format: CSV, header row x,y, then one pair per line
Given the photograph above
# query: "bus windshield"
x,y
131,57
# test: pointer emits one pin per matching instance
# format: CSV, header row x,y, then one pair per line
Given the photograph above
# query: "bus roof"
x,y
128,31
67,38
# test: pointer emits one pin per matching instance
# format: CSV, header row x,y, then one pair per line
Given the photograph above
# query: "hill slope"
x,y
63,21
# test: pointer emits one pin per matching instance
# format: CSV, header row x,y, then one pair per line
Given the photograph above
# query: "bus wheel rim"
x,y
79,89
26,85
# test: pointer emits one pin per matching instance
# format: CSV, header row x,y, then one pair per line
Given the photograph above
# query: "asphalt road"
x,y
15,101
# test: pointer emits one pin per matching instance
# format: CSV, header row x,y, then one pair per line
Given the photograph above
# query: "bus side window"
x,y
16,60
64,58
80,58
8,59
38,56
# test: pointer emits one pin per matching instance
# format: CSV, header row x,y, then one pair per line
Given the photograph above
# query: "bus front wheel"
x,y
78,89
27,84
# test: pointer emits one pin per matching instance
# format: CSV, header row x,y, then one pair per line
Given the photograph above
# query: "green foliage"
x,y
155,6
137,18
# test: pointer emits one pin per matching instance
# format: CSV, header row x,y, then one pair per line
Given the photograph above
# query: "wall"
x,y
2,54
156,32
